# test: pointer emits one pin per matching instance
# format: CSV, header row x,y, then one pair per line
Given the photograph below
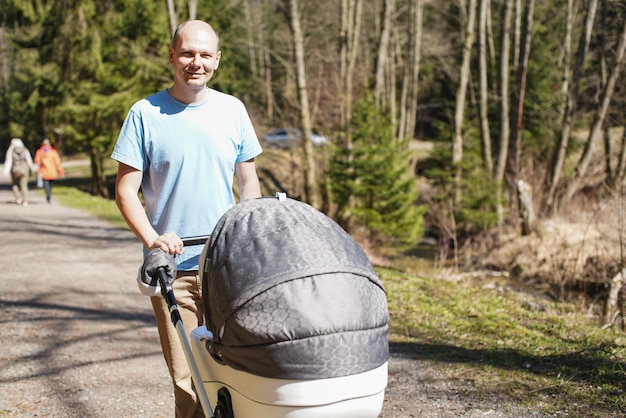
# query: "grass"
x,y
69,191
548,356
542,354
105,209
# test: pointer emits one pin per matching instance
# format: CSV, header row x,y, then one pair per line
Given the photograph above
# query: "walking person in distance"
x,y
17,165
50,168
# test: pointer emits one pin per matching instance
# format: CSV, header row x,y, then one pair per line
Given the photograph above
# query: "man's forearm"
x,y
135,216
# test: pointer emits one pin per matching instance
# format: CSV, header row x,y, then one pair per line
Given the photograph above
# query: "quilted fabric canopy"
x,y
289,294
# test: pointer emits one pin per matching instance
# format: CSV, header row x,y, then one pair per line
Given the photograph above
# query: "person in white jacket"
x,y
18,164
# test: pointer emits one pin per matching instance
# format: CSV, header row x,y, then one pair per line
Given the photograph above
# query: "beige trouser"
x,y
20,187
188,292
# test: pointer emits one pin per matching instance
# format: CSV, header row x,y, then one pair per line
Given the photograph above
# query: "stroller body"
x,y
355,396
295,317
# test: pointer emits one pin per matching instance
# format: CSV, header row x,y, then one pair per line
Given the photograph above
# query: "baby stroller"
x,y
296,319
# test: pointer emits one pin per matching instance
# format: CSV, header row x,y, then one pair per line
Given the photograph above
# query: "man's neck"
x,y
189,96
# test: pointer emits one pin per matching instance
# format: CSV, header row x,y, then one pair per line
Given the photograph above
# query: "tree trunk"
x,y
383,54
193,9
310,184
567,54
485,132
265,63
556,164
611,307
251,24
171,12
418,25
620,171
98,177
515,145
505,48
391,80
517,33
410,84
600,116
527,216
457,140
610,179
353,52
351,18
505,128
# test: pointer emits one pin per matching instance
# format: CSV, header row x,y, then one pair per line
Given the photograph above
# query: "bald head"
x,y
193,25
194,56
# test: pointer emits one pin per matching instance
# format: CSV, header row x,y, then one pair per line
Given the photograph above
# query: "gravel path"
x,y
78,339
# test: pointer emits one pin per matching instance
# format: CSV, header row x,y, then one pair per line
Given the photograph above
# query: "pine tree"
x,y
372,182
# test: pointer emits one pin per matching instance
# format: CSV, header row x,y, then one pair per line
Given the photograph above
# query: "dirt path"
x,y
78,339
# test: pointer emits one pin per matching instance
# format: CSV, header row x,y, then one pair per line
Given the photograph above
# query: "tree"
x,y
464,76
515,144
503,84
310,185
351,18
556,164
374,177
98,58
599,117
192,9
380,91
410,84
483,69
259,54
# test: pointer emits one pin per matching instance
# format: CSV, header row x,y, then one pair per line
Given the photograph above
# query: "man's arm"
x,y
127,187
247,180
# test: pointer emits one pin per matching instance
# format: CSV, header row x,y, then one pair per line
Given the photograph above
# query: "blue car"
x,y
289,138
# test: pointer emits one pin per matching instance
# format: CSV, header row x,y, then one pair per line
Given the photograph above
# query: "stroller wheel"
x,y
224,407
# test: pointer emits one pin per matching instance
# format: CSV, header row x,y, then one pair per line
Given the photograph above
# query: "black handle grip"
x,y
168,294
199,240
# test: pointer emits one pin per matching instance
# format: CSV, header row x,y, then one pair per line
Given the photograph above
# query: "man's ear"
x,y
217,60
170,53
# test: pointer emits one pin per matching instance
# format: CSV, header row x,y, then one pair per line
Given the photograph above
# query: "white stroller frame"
x,y
356,396
170,299
243,395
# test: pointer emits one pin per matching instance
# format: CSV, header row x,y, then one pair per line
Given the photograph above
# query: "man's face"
x,y
194,57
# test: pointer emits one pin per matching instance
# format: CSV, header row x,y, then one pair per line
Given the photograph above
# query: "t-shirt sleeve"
x,y
250,146
129,148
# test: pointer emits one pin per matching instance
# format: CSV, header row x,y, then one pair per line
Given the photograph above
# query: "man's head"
x,y
194,55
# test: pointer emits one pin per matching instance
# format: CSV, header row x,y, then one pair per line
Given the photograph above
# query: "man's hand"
x,y
152,261
170,243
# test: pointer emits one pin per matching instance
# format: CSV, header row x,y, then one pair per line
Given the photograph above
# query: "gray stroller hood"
x,y
289,294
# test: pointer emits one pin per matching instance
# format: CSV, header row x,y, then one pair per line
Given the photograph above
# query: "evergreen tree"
x,y
87,63
372,181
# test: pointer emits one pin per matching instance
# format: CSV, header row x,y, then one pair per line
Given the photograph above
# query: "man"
x,y
181,146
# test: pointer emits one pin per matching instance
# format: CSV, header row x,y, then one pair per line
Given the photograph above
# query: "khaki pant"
x,y
188,292
19,185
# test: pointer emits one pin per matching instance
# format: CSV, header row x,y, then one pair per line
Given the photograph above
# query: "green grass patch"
x,y
102,208
71,191
538,352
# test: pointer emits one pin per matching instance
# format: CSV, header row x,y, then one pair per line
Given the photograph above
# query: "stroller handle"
x,y
197,240
168,294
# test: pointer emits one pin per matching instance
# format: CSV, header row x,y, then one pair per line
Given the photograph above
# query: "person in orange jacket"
x,y
48,160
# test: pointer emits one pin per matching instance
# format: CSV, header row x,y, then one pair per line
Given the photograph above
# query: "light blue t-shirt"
x,y
187,154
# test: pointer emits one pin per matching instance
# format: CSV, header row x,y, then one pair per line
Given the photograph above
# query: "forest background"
x,y
517,103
